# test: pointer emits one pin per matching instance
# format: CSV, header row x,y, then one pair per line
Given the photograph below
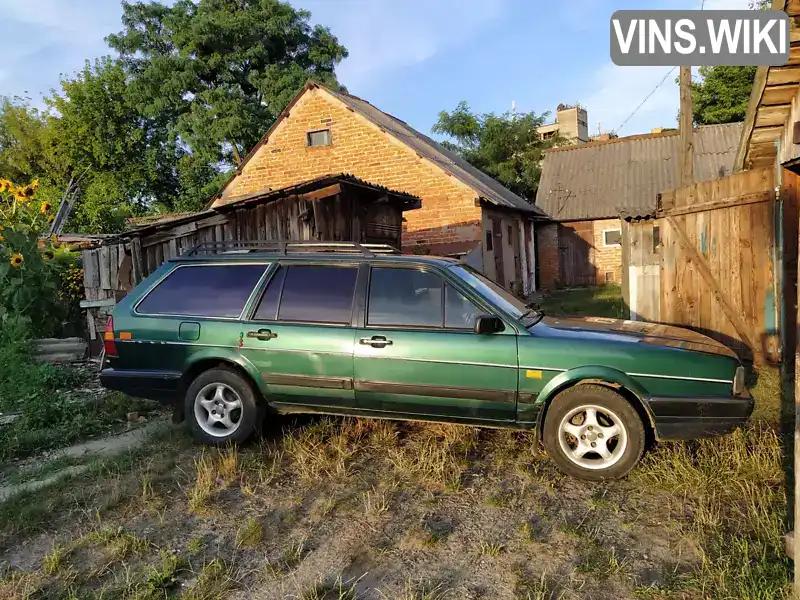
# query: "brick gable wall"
x,y
360,148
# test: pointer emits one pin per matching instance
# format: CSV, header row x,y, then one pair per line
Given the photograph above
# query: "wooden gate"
x,y
718,261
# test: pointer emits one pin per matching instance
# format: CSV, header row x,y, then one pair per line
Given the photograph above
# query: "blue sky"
x,y
412,58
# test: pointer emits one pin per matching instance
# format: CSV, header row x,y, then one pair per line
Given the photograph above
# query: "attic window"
x,y
319,138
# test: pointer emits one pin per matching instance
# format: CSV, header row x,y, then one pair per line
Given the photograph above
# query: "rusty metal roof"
x,y
600,180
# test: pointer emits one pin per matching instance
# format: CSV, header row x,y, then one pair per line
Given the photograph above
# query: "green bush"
x,y
51,413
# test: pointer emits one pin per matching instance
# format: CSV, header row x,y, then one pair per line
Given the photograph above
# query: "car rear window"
x,y
203,291
318,294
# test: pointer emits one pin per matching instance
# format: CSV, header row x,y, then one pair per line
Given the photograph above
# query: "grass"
x,y
604,301
250,534
215,582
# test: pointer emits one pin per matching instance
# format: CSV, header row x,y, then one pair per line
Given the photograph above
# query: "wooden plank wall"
x,y
341,217
641,267
722,284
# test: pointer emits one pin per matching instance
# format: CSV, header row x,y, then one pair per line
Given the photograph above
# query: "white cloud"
x,y
386,34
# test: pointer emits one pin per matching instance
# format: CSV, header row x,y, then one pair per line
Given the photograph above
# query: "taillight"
x,y
108,338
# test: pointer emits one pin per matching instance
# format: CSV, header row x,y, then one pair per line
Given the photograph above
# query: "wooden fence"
x,y
709,262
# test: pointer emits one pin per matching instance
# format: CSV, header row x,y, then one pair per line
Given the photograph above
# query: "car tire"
x,y
221,407
591,432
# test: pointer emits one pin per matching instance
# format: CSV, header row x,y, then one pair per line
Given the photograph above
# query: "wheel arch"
x,y
613,379
203,361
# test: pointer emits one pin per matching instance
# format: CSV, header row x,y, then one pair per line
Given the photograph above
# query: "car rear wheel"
x,y
221,407
593,433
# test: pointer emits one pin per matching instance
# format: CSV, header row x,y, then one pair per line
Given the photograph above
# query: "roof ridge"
x,y
634,137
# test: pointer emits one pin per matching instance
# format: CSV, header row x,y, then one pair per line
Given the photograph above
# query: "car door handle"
x,y
262,334
376,341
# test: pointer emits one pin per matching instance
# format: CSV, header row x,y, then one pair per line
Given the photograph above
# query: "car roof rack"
x,y
287,247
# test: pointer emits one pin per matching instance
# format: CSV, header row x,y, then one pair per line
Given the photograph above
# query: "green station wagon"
x,y
230,336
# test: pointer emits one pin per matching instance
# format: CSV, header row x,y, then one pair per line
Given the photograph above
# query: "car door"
x,y
300,334
417,355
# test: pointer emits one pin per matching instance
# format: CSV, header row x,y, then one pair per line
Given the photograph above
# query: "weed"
x,y
291,557
489,549
118,543
20,586
215,582
601,561
438,459
535,588
418,591
195,545
54,559
337,589
249,534
160,578
376,502
324,448
205,486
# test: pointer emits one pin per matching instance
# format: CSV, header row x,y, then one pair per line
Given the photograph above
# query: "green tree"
x,y
125,161
24,149
507,147
722,94
220,71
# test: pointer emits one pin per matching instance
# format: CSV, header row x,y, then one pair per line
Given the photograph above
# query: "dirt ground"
x,y
346,508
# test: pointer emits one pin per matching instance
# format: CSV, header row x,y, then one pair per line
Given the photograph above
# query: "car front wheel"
x,y
593,433
221,407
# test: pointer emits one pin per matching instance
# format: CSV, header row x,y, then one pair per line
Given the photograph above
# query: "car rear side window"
x,y
203,291
405,297
318,294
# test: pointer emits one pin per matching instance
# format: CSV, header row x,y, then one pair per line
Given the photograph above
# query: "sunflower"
x,y
48,255
5,185
28,191
45,208
16,260
19,194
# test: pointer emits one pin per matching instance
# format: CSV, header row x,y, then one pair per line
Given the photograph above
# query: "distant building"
x,y
572,123
585,188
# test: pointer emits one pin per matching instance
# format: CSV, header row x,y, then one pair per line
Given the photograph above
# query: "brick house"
x,y
585,188
464,212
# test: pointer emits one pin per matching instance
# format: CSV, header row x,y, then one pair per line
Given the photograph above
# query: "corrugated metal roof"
x,y
488,188
600,180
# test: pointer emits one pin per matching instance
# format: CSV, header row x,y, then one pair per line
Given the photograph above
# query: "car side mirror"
x,y
488,324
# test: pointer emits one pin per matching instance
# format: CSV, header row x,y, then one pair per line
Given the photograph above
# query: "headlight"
x,y
738,381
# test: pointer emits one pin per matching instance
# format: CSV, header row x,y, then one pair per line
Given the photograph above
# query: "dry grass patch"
x,y
734,487
215,581
436,456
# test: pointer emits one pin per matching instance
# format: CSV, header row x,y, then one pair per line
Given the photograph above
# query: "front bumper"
x,y
684,418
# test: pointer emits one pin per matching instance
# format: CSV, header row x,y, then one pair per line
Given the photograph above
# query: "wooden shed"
x,y
329,208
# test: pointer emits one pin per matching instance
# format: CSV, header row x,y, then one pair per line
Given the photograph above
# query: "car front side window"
x,y
414,298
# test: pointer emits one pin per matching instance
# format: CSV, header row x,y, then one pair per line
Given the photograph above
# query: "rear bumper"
x,y
163,386
682,418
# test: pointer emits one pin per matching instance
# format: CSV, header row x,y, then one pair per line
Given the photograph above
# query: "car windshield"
x,y
495,294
